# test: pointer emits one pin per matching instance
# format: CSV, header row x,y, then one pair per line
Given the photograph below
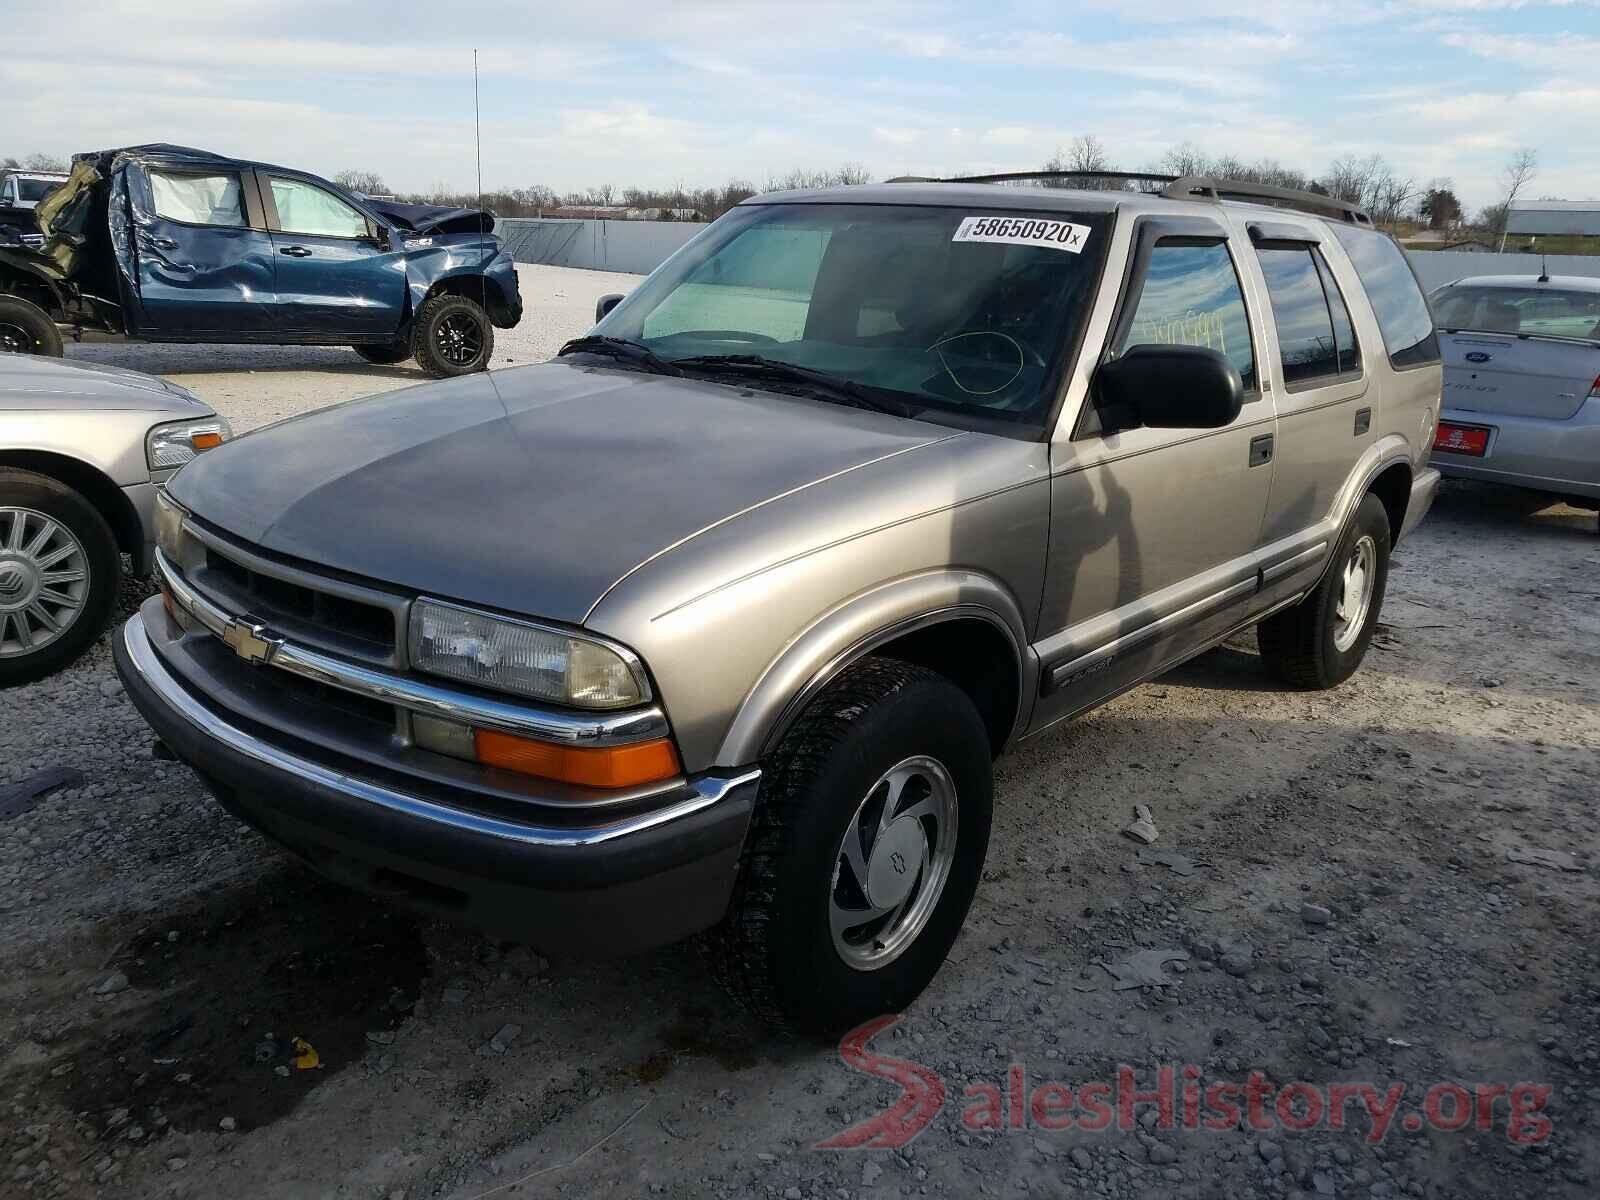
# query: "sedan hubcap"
x,y
44,581
1355,594
892,863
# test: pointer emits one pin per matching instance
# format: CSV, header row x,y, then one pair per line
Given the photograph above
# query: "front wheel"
x,y
25,328
1321,641
452,336
59,572
865,851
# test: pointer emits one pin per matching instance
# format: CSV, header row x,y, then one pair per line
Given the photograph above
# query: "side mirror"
x,y
605,304
1172,387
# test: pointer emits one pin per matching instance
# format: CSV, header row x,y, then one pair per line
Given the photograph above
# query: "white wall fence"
x,y
641,246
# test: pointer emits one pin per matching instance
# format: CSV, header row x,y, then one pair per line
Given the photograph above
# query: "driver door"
x,y
1153,532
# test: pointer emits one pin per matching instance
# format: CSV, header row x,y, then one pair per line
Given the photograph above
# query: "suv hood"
x,y
531,490
35,382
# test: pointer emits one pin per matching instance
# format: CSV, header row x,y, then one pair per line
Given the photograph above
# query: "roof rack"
x,y
1183,187
1190,187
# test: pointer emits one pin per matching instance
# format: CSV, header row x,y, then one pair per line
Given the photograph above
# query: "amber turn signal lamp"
x,y
205,441
587,766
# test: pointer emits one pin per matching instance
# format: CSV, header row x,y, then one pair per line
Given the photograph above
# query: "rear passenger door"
x,y
1318,380
1153,532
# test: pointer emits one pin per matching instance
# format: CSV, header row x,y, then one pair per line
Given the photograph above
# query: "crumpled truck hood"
x,y
531,490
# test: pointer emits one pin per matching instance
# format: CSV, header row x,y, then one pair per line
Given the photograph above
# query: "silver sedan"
x,y
82,451
1521,383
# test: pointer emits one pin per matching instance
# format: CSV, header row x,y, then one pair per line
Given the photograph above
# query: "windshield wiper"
x,y
620,348
834,386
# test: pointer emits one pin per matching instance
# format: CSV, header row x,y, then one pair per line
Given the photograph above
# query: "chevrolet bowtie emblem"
x,y
250,641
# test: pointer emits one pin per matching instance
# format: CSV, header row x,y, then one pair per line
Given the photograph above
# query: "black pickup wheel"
x,y
25,328
452,336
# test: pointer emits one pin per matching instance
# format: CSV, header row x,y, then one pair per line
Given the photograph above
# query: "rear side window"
x,y
1315,339
1397,301
197,199
1191,297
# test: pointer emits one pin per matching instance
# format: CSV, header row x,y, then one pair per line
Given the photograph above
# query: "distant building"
x,y
1543,218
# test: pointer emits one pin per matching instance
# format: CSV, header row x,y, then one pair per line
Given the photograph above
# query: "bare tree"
x,y
1186,159
368,183
44,162
1519,171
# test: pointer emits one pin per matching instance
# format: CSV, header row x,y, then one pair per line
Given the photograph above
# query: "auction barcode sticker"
x,y
1024,231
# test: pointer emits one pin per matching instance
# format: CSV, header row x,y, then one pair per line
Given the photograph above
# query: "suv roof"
x,y
1177,194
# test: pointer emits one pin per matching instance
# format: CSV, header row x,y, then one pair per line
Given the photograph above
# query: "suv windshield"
x,y
1540,310
960,314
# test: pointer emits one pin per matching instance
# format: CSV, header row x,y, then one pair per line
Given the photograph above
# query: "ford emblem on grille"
x,y
251,641
1478,356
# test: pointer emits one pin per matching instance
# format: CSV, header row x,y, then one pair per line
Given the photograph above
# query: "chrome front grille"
x,y
344,618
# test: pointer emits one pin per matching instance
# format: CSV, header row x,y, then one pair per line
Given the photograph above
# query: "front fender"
x,y
856,628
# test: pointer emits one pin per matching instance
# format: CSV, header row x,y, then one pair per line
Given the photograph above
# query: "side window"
x,y
1397,301
306,208
197,199
1191,297
1344,333
1315,339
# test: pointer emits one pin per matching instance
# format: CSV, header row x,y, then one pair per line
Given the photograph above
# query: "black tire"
x,y
21,490
395,352
1299,644
25,328
436,338
774,950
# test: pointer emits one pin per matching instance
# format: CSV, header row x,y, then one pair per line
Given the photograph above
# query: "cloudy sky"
x,y
661,92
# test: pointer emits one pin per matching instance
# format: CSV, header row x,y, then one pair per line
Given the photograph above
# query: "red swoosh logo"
x,y
922,1093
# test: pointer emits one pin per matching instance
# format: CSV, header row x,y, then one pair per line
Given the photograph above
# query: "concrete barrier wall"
x,y
638,247
1436,267
641,246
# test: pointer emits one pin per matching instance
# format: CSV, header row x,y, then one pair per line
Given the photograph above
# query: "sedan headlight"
x,y
177,442
518,656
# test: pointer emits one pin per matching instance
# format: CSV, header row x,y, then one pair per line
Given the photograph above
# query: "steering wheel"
x,y
1025,356
1029,356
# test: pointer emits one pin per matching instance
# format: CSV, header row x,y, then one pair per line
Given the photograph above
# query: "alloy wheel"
x,y
1355,593
892,863
459,340
15,338
44,580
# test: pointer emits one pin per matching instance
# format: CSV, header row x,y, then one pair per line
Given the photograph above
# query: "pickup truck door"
x,y
202,253
1154,532
339,272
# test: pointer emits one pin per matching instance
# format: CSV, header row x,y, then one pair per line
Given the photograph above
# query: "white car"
x,y
83,450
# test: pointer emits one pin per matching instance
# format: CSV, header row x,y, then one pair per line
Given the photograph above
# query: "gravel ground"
x,y
1338,890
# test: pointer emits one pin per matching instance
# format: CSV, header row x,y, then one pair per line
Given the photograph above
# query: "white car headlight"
x,y
177,442
518,656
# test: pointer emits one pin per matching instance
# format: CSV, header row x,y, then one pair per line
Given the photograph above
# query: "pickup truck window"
x,y
1397,301
306,208
1307,345
1191,297
197,199
935,308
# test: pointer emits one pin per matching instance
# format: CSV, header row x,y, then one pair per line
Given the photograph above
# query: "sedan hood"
x,y
35,382
531,490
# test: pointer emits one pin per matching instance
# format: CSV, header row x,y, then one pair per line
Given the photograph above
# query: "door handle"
x,y
163,243
1363,420
294,251
1261,450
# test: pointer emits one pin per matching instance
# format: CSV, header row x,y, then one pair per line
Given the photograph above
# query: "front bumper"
x,y
1561,457
611,885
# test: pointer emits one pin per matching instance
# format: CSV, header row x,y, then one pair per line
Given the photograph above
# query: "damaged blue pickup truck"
x,y
170,244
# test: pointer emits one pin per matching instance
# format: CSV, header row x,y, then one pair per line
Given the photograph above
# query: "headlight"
x,y
172,445
518,656
169,526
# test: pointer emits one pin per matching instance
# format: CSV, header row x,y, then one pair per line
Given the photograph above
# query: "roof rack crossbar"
x,y
1191,187
1013,176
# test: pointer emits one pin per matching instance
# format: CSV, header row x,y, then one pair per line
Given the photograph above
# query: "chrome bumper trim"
x,y
610,729
705,791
